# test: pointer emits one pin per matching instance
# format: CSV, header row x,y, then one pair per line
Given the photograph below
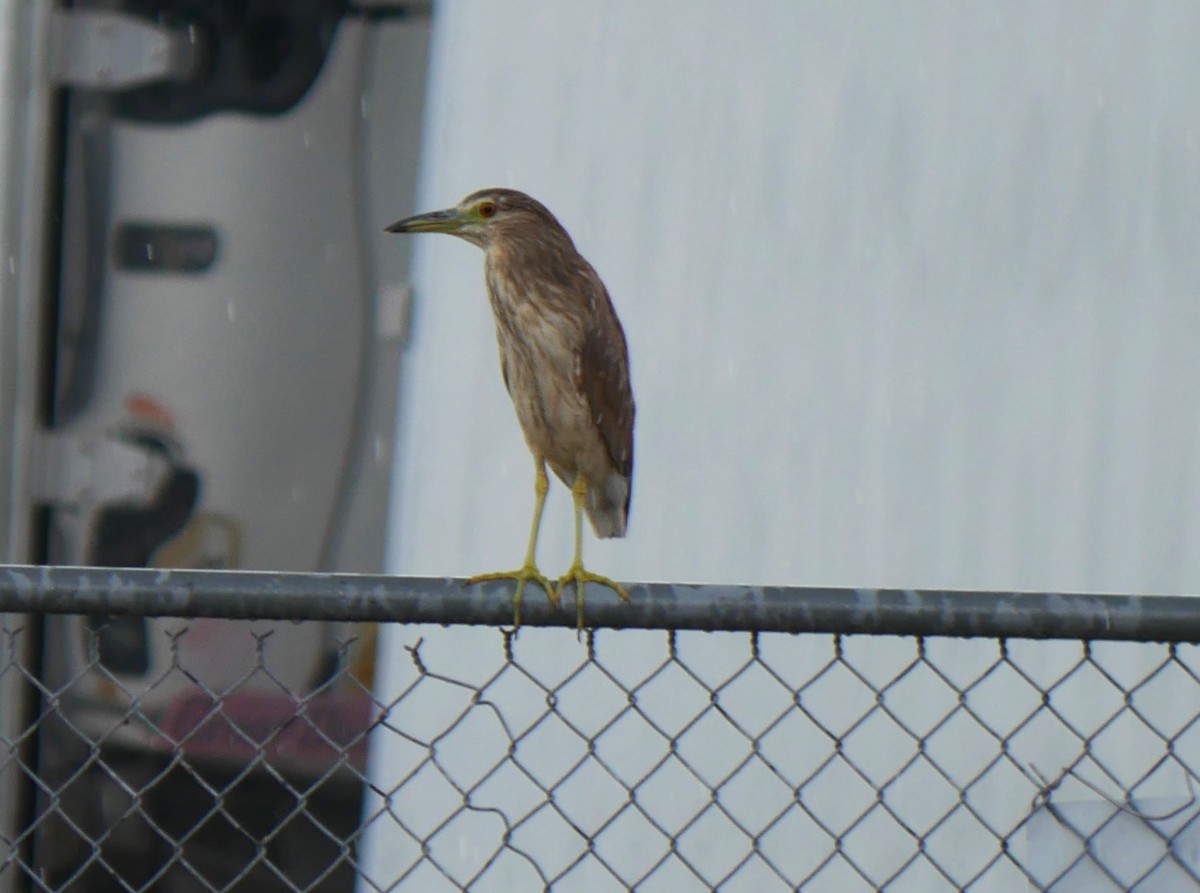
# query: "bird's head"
x,y
488,217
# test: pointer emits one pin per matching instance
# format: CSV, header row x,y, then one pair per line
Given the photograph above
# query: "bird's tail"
x,y
608,506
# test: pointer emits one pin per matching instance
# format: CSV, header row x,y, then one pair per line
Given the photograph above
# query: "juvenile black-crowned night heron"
x,y
565,364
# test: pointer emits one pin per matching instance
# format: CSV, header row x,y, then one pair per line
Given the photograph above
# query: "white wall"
x,y
910,291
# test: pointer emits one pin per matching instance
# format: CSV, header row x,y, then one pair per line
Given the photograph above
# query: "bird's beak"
x,y
448,221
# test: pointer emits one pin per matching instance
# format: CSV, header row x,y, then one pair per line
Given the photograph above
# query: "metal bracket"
x,y
114,51
81,471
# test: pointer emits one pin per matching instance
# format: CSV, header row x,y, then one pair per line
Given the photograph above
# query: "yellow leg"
x,y
527,571
576,571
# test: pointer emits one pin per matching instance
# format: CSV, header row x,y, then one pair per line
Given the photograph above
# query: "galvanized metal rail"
x,y
351,597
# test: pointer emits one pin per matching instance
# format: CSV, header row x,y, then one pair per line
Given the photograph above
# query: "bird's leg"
x,y
576,571
527,571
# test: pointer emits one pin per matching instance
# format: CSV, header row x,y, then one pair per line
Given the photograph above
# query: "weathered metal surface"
x,y
349,597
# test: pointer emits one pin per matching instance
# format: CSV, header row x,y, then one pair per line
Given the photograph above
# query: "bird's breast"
x,y
539,328
540,370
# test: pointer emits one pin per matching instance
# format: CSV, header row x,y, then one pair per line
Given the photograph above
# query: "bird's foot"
x,y
577,574
522,575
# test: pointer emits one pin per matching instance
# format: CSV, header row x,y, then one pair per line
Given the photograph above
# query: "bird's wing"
x,y
504,372
604,380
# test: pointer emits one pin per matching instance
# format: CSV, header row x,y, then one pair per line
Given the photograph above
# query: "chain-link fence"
x,y
948,756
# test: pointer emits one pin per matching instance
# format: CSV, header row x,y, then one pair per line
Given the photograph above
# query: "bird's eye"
x,y
487,209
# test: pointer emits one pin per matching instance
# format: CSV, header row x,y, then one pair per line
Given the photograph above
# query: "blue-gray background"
x,y
910,291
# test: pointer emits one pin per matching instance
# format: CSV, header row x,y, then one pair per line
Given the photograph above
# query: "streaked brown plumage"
x,y
565,364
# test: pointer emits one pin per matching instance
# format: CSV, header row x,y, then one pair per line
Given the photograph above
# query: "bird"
x,y
565,364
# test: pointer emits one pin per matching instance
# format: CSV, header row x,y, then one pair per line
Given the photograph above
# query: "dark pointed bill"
x,y
434,222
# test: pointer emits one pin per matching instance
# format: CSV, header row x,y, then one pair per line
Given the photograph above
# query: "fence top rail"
x,y
353,597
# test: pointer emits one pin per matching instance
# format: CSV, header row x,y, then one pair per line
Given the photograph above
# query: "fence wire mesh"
x,y
635,759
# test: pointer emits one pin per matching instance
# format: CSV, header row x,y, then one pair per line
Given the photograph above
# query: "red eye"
x,y
487,209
